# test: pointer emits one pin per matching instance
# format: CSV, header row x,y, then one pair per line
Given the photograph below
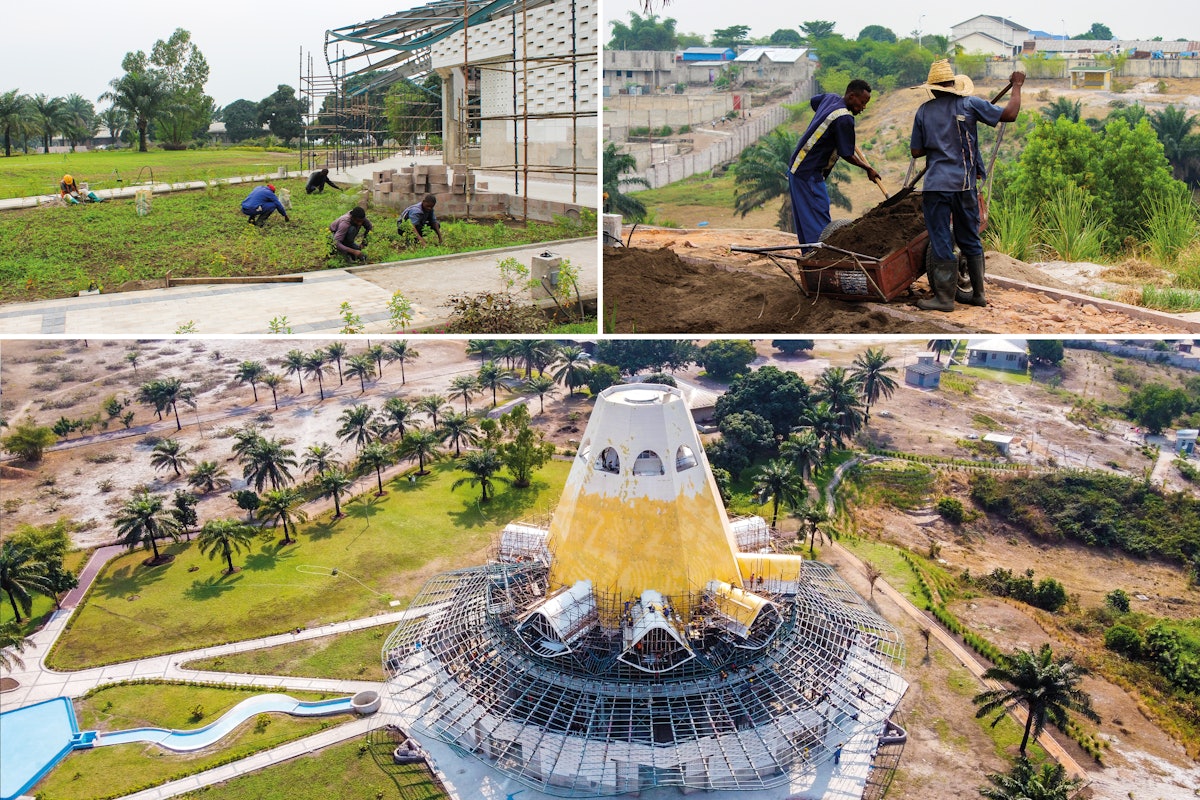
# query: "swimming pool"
x,y
35,738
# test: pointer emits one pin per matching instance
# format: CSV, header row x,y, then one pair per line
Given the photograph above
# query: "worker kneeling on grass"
x,y
69,190
420,216
945,133
345,231
261,203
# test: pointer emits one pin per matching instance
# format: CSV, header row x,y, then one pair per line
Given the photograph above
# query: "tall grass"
x,y
1070,226
1172,227
1170,299
1012,229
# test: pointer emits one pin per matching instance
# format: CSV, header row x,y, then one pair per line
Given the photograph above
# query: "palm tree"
x,y
534,354
507,349
432,405
335,483
803,449
336,352
143,520
574,367
458,429
1026,782
315,365
268,461
615,201
293,364
812,516
940,346
1062,107
115,121
761,175
420,445
51,115
824,424
356,425
484,348
141,96
840,391
172,391
376,456
482,466
378,354
21,573
463,386
170,453
224,537
1173,127
777,480
283,506
207,476
272,380
869,371
12,642
874,573
490,376
361,367
318,458
251,372
400,350
1046,686
541,385
12,110
396,413
79,119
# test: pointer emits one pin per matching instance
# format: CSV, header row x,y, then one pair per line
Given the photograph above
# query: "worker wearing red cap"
x,y
261,203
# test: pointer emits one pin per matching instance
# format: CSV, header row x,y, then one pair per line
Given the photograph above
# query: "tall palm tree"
x,y
870,371
272,380
1063,107
207,476
140,95
1027,782
268,461
463,386
172,391
616,165
224,537
940,346
51,116
143,520
811,515
21,574
777,481
396,414
12,642
315,366
761,175
245,439
490,376
378,354
251,372
824,422
541,385
12,111
535,354
836,387
484,348
1046,686
507,350
362,367
803,449
1173,126
170,453
293,364
115,121
458,429
334,483
79,119
482,467
283,506
356,425
573,367
376,456
318,458
421,445
400,350
336,352
432,405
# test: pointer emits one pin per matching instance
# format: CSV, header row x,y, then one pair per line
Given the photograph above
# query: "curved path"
x,y
964,655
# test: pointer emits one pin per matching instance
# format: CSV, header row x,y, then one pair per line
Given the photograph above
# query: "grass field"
x,y
43,605
383,549
348,656
120,769
40,173
56,251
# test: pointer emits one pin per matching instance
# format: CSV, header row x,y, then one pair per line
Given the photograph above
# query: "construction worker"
x,y
345,233
945,134
420,216
261,203
68,190
318,181
830,135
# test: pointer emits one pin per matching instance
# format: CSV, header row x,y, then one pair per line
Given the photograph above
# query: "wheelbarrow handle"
x,y
878,182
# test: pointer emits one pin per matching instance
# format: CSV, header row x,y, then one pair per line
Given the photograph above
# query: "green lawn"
x,y
349,656
895,571
360,769
120,769
56,251
1000,375
384,549
43,606
39,173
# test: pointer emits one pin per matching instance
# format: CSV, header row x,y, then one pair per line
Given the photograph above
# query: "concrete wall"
x,y
1134,68
649,67
654,111
1175,359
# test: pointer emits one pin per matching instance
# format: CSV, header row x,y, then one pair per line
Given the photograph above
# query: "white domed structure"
x,y
643,640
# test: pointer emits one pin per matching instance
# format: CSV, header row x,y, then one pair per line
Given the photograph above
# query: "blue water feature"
x,y
32,740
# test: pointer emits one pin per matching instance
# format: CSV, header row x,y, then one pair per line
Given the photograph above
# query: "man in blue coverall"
x,y
421,216
945,134
830,135
261,203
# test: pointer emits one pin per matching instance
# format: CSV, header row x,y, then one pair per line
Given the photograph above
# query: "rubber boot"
x,y
975,269
95,198
943,279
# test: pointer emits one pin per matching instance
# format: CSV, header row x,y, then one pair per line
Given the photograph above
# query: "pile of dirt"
x,y
882,230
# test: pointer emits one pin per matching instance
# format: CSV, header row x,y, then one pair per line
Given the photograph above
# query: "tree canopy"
x,y
282,111
643,33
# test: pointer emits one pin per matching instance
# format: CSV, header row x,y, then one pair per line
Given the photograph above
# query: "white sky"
x,y
1170,19
56,47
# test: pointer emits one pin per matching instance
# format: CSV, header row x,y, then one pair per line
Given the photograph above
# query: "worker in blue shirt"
x,y
830,135
420,216
945,134
261,203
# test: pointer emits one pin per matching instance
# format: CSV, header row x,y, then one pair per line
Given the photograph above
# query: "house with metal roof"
x,y
989,34
1008,354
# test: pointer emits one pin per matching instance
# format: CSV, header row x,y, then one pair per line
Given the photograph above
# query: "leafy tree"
x,y
141,96
48,545
733,36
1156,406
13,642
725,358
616,166
870,372
208,476
574,364
542,385
1099,31
334,483
1117,600
792,346
143,520
422,446
376,456
817,30
481,468
631,356
1046,686
1027,782
184,510
241,120
28,440
768,392
643,33
463,386
602,376
246,500
414,110
877,33
526,450
457,429
778,481
170,453
744,436
224,537
282,506
282,112
356,425
1046,351
786,37
182,71
21,574
400,350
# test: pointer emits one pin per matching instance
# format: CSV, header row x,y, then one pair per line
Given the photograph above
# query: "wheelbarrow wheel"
x,y
832,227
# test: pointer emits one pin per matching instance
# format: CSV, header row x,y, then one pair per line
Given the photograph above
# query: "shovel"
x,y
878,182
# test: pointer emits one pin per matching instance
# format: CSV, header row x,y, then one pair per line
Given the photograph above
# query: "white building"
x,y
1008,354
989,34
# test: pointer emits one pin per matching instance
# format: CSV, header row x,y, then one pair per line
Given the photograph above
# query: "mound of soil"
x,y
883,229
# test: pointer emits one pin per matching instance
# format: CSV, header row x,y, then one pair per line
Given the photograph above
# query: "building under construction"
x,y
641,639
513,85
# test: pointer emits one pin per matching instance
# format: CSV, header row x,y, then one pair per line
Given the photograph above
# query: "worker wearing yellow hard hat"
x,y
69,190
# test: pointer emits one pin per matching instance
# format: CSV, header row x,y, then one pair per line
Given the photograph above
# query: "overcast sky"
x,y
1128,20
64,46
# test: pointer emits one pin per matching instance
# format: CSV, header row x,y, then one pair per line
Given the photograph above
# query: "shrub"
x,y
1117,600
951,510
1124,640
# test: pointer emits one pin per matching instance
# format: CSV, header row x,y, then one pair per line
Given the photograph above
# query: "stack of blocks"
x,y
400,188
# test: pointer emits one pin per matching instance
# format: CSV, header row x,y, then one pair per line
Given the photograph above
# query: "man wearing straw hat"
x,y
830,134
945,133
